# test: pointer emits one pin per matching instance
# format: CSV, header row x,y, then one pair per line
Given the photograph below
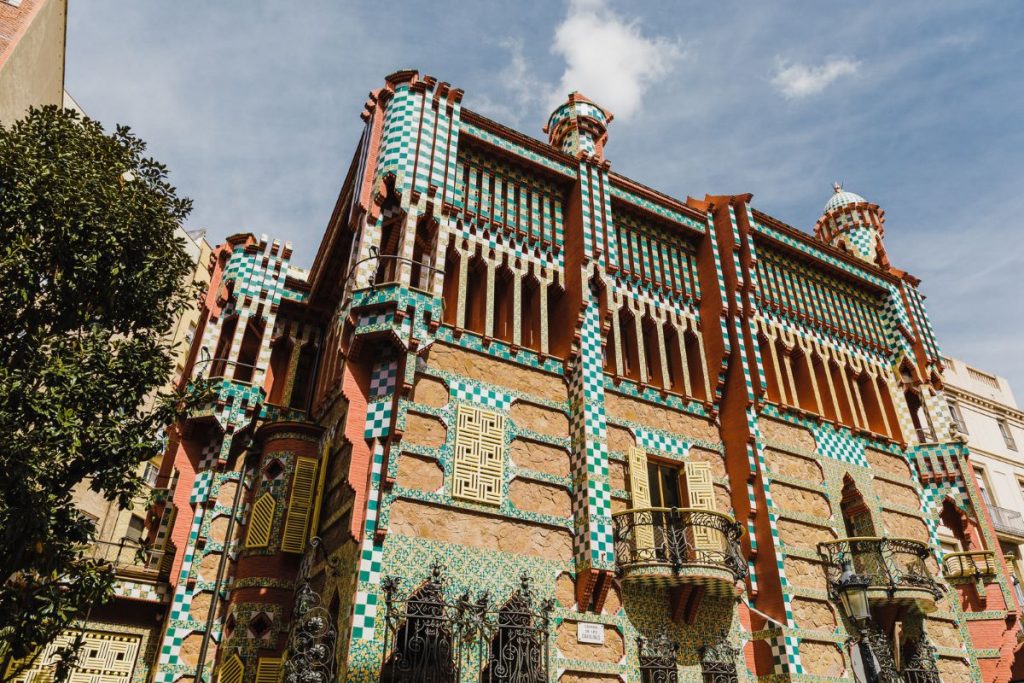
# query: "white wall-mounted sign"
x,y
587,632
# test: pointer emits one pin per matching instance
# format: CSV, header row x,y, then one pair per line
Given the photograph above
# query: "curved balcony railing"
x,y
678,538
972,564
132,558
889,563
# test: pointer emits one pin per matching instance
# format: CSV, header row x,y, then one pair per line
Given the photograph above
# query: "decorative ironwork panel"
x,y
674,531
313,637
431,637
479,461
890,563
658,659
718,661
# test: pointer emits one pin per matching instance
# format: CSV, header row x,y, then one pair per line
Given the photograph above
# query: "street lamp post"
x,y
853,597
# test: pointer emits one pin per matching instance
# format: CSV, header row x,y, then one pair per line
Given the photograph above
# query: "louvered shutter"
x,y
231,670
300,505
261,521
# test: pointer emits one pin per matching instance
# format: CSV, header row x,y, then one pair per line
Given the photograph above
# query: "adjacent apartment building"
x,y
32,39
985,413
526,419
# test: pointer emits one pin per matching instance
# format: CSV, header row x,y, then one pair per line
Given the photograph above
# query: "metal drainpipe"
x,y
220,576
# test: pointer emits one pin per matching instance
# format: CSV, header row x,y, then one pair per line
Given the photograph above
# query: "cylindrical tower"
x,y
855,225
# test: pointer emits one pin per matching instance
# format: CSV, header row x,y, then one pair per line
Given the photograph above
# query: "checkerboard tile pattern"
x,y
840,444
472,392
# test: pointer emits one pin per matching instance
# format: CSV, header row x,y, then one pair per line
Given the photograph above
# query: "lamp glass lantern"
x,y
853,594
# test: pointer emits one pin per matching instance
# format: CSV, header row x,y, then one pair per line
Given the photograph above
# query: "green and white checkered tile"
x,y
383,377
471,392
840,445
378,418
364,616
659,441
201,487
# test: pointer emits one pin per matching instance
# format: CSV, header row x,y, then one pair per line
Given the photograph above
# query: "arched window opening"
x,y
530,316
249,351
856,513
561,321
866,386
771,378
452,263
390,237
695,365
608,350
652,354
476,295
277,373
658,659
953,520
504,304
220,354
828,404
674,359
718,660
630,344
889,408
842,399
918,415
803,381
423,250
303,383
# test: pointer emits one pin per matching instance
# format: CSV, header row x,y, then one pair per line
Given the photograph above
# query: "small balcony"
x,y
895,569
976,565
132,560
679,546
1007,522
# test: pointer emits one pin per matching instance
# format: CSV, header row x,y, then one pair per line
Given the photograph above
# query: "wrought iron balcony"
x,y
1007,522
675,546
131,559
895,568
974,564
432,637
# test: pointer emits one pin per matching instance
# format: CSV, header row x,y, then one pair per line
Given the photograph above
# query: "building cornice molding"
x,y
987,403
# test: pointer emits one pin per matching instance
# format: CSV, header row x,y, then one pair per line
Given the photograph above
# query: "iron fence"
x,y
432,637
890,563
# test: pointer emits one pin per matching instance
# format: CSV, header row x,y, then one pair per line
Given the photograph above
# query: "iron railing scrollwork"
x,y
889,563
658,659
313,639
920,666
718,660
432,637
678,537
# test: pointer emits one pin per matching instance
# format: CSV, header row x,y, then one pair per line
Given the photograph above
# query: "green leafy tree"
x,y
92,279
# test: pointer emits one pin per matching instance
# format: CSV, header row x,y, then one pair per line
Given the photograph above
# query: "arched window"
x,y
695,365
302,385
530,313
518,652
424,247
277,374
504,304
452,263
674,359
658,659
249,351
419,645
629,344
476,295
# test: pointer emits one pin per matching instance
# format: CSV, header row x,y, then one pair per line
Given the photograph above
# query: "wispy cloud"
x,y
800,80
609,58
522,92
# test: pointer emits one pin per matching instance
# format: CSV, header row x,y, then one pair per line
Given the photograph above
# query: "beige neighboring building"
x,y
113,525
985,412
32,41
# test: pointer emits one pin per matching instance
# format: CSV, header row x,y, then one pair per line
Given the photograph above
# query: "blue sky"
x,y
917,106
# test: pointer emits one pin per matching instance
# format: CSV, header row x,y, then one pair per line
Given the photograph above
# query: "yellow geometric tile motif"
x,y
640,490
701,492
103,658
479,464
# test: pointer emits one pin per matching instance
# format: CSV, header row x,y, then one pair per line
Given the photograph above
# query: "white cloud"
x,y
800,80
521,93
608,58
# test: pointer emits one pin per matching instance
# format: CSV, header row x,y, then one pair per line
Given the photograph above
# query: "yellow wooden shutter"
x,y
261,521
700,490
640,491
268,670
318,495
231,670
296,523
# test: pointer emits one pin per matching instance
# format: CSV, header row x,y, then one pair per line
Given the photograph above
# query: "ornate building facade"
x,y
526,419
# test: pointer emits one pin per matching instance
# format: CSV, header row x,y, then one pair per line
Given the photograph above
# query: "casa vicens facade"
x,y
525,419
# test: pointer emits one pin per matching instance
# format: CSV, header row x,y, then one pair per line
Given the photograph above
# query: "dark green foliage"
x,y
91,281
